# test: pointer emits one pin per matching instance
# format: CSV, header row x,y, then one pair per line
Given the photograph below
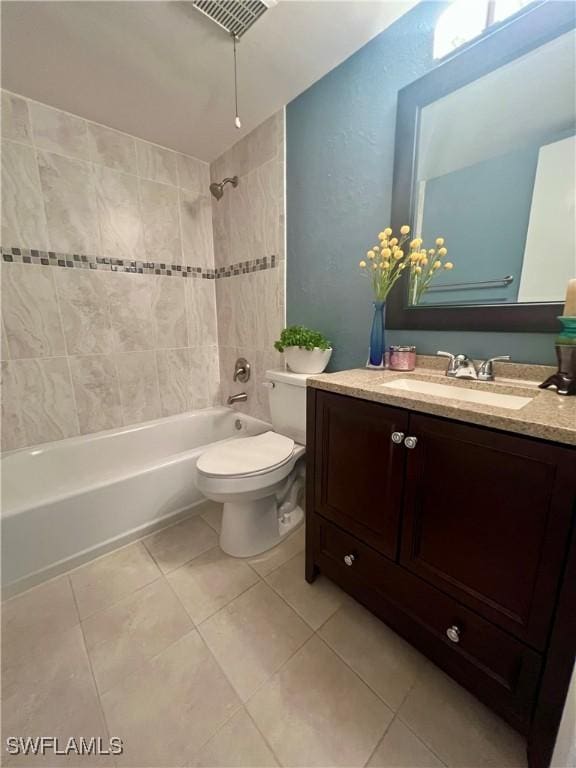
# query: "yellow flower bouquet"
x,y
384,265
385,262
424,266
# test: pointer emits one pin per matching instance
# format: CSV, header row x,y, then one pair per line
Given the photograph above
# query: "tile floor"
x,y
193,658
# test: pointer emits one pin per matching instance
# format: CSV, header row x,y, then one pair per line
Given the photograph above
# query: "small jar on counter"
x,y
402,357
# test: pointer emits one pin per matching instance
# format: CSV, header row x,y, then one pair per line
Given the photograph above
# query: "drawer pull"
x,y
410,442
349,559
397,437
453,633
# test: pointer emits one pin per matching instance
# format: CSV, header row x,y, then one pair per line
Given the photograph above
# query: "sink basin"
x,y
513,402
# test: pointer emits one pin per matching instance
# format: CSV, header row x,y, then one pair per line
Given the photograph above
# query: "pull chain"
x,y
237,121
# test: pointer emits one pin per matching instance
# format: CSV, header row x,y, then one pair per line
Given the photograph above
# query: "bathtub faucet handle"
x,y
241,370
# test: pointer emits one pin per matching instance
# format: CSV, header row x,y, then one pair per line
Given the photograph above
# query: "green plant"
x,y
298,336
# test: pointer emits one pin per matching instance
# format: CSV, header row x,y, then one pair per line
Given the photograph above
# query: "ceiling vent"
x,y
235,16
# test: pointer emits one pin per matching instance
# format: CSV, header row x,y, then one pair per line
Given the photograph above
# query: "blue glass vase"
x,y
377,343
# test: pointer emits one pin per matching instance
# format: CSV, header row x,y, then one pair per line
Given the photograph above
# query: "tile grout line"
x,y
88,122
89,659
366,683
380,740
264,738
421,739
207,618
116,603
146,661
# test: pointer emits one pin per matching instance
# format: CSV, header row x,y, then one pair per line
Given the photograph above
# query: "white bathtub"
x,y
66,502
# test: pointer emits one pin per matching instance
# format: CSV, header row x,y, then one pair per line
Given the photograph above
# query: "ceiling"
x,y
163,72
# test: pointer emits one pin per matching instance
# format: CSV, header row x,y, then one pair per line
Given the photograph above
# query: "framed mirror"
x,y
485,158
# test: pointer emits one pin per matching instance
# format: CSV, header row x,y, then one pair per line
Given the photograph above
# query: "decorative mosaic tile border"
x,y
243,267
81,261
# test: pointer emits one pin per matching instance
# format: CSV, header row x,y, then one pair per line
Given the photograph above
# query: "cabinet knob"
x,y
397,437
410,442
349,559
453,633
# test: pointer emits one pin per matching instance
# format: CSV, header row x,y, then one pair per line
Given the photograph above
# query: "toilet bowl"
x,y
259,479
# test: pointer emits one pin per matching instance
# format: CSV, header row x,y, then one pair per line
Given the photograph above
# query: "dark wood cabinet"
x,y
486,520
359,470
461,544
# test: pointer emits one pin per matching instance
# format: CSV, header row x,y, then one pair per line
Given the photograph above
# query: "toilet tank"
x,y
287,397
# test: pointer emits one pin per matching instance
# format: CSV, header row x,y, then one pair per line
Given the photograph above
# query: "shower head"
x,y
217,188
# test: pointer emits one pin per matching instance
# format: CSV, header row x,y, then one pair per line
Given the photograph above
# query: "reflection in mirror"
x,y
496,166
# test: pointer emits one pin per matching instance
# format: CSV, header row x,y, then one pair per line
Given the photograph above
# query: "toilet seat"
x,y
247,456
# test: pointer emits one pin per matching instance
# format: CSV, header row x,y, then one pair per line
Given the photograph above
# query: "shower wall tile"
x,y
23,218
118,214
92,349
12,427
138,380
248,223
96,392
15,118
200,361
264,143
193,175
196,219
174,380
223,251
155,195
251,309
111,148
130,306
30,312
46,399
68,191
84,308
58,131
258,200
4,353
212,362
156,163
169,312
160,221
201,312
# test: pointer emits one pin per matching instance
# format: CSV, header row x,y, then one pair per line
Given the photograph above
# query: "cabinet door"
x,y
486,519
359,472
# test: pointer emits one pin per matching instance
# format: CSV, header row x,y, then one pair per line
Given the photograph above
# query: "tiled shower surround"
x,y
109,279
248,220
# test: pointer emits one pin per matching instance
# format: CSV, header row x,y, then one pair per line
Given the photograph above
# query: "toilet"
x,y
259,479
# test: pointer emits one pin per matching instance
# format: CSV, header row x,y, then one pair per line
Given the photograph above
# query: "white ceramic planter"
x,y
301,360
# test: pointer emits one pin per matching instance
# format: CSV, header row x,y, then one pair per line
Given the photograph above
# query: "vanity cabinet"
x,y
457,538
486,520
359,469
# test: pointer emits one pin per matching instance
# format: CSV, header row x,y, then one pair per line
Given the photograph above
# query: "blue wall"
x,y
340,154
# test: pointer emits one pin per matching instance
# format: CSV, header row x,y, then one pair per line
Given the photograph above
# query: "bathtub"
x,y
66,502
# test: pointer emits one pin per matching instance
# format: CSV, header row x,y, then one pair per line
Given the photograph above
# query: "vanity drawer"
x,y
494,665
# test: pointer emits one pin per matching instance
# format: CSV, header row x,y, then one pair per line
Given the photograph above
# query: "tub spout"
x,y
241,397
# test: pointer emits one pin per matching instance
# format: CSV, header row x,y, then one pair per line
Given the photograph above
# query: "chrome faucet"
x,y
463,367
486,370
241,397
460,366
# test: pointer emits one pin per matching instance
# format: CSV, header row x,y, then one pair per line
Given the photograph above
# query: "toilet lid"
x,y
246,455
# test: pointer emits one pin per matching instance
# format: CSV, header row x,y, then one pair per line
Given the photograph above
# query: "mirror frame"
x,y
529,29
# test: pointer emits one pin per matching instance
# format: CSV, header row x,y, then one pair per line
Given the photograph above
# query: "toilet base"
x,y
252,527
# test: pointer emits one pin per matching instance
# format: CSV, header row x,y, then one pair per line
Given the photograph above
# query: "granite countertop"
x,y
548,416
